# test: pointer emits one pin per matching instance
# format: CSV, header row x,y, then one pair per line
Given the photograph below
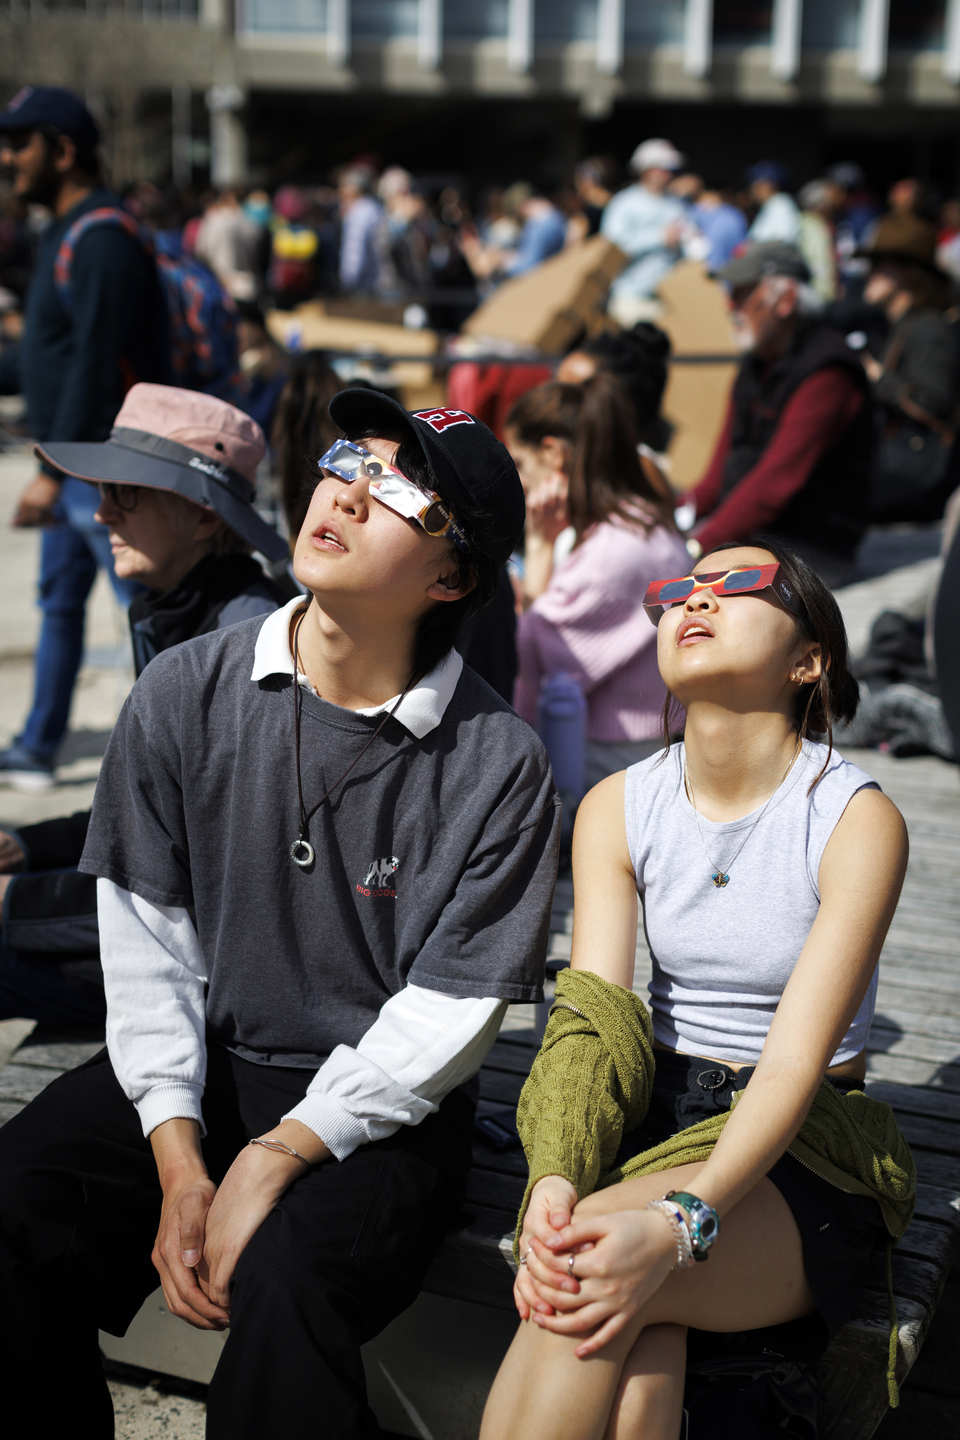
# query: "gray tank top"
x,y
722,957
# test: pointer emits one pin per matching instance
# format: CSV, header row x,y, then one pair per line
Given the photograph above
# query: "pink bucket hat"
x,y
181,440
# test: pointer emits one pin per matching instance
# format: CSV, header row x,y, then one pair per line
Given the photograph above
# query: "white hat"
x,y
656,155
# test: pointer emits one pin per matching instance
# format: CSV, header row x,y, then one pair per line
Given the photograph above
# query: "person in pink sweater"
x,y
598,531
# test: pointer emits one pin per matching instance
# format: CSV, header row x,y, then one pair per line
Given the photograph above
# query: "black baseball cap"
x,y
473,469
772,258
49,107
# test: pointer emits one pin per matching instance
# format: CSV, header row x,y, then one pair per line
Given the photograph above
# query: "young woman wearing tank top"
x,y
769,869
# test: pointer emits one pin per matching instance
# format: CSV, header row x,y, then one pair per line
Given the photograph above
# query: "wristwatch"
x,y
703,1222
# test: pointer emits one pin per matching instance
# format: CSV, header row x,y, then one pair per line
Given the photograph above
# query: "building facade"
x,y
236,88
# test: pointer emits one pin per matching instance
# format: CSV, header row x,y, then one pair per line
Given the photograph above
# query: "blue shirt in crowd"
x,y
543,235
723,226
636,221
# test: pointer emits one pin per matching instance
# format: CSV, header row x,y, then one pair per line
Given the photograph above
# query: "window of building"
x,y
916,24
742,22
282,16
653,22
475,19
830,24
383,19
558,22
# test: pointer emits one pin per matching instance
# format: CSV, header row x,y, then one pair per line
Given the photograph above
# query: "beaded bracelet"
x,y
680,1232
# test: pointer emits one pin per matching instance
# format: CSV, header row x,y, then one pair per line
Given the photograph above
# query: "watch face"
x,y
708,1229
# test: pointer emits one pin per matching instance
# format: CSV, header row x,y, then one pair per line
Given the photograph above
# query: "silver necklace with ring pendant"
x,y
302,852
720,878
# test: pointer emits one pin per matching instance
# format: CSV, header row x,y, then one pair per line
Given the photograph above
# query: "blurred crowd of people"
x,y
843,413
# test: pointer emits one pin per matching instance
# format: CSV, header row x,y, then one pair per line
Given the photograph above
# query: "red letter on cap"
x,y
441,420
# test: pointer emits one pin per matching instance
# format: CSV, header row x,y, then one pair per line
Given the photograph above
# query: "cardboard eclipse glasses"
x,y
402,496
742,580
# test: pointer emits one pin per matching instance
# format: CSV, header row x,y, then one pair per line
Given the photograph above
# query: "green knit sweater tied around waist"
x,y
591,1084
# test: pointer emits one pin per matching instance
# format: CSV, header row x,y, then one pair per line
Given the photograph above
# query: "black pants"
x,y
343,1253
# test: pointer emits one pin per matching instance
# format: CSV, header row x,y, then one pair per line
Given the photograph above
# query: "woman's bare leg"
x,y
754,1278
648,1404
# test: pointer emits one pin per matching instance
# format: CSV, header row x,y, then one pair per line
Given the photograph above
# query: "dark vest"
x,y
830,510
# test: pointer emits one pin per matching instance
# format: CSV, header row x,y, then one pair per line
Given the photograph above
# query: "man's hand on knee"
x,y
188,1193
250,1189
177,1253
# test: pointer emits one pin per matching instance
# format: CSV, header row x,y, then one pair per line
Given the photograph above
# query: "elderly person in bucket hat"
x,y
177,483
178,479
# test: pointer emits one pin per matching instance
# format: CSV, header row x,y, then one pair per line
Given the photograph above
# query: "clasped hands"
x,y
621,1257
204,1229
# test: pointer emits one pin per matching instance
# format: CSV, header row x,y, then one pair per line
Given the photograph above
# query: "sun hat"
x,y
184,441
474,470
905,238
656,155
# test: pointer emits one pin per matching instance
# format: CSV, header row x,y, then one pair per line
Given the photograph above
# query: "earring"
x,y
797,679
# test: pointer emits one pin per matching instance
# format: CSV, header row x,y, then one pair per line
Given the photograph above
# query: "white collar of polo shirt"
x,y
422,708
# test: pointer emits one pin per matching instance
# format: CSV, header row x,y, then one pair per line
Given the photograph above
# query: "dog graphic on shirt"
x,y
380,871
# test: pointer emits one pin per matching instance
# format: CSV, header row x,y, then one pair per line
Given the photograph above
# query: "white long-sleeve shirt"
x,y
422,1045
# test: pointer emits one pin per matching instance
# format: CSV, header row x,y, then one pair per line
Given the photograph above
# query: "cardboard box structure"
x,y
549,310
310,327
550,307
703,369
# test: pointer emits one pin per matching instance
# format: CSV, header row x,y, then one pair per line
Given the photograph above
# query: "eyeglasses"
x,y
741,580
125,497
402,496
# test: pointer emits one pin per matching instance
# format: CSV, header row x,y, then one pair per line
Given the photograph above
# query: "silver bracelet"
x,y
282,1149
681,1233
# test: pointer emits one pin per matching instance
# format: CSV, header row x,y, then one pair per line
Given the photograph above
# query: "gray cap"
x,y
773,258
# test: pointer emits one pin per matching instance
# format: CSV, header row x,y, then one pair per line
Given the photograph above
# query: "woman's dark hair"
x,y
301,428
638,358
835,695
438,628
605,474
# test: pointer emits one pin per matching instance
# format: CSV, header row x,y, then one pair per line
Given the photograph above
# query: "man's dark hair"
x,y
438,628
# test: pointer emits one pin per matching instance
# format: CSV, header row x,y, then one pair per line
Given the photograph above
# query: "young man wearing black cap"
x,y
77,359
326,853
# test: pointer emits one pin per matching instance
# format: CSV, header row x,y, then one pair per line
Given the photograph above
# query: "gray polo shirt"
x,y
436,858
